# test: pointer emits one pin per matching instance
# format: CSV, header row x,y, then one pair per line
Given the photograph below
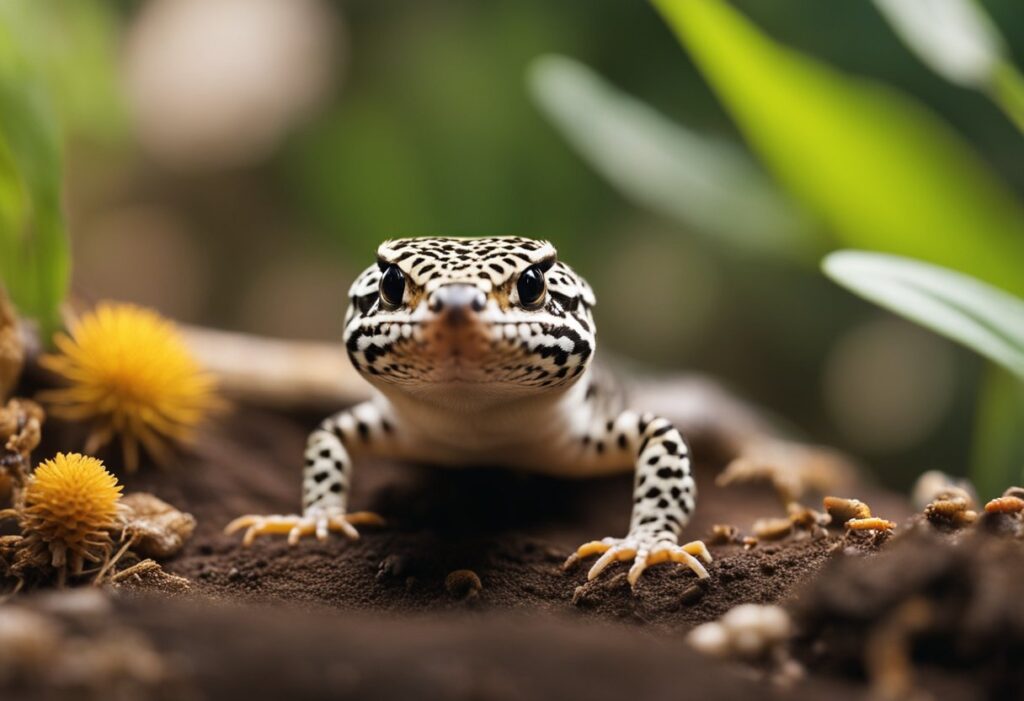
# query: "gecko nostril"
x,y
457,299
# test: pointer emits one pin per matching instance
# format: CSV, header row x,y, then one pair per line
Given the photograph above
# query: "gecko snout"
x,y
457,302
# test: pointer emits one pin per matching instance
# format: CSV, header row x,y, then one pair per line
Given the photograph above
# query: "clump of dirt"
x,y
927,608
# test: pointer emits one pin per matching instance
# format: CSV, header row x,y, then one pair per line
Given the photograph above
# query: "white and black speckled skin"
x,y
467,373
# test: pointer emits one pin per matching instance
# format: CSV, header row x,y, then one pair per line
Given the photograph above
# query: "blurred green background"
x,y
235,162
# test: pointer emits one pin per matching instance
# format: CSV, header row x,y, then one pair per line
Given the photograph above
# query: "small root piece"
x,y
888,654
135,570
113,561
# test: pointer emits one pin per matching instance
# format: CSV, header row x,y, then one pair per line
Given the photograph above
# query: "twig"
x,y
278,373
112,561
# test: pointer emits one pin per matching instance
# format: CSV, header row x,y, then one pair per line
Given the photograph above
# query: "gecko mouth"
x,y
458,341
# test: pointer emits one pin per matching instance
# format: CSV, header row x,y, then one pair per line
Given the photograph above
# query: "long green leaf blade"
x,y
954,37
883,172
34,255
704,183
958,306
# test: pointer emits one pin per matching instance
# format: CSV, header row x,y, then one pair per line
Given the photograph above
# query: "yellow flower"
x,y
130,374
70,506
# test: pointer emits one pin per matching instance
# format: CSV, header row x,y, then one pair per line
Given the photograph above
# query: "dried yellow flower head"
x,y
130,374
70,504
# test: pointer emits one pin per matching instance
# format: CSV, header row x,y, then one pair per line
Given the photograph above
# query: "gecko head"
x,y
500,315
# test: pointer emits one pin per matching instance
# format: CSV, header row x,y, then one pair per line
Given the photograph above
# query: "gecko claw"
x,y
318,524
643,553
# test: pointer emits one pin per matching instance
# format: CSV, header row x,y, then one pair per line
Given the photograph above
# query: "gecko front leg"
x,y
326,478
664,496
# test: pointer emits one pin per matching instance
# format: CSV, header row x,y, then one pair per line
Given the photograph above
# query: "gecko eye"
x,y
392,286
531,287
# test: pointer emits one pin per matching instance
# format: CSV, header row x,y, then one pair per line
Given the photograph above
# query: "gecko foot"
x,y
644,553
317,523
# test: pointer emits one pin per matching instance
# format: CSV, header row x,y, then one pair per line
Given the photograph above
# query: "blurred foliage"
x,y
72,47
959,42
34,258
430,142
980,316
57,77
708,184
881,171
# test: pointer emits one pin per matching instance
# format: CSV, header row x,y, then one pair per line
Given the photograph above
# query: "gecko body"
x,y
480,353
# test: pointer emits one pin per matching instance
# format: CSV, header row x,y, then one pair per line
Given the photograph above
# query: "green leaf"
x,y
958,306
998,450
959,42
705,183
883,172
34,257
73,49
954,37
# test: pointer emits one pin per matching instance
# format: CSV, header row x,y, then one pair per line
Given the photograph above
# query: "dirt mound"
x,y
929,610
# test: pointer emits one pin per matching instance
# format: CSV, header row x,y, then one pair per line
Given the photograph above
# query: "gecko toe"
x,y
644,555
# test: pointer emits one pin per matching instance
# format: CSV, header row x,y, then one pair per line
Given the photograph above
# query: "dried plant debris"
x,y
21,423
70,507
12,350
156,529
147,575
793,469
72,519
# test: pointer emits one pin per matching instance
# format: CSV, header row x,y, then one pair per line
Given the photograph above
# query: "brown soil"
x,y
375,618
